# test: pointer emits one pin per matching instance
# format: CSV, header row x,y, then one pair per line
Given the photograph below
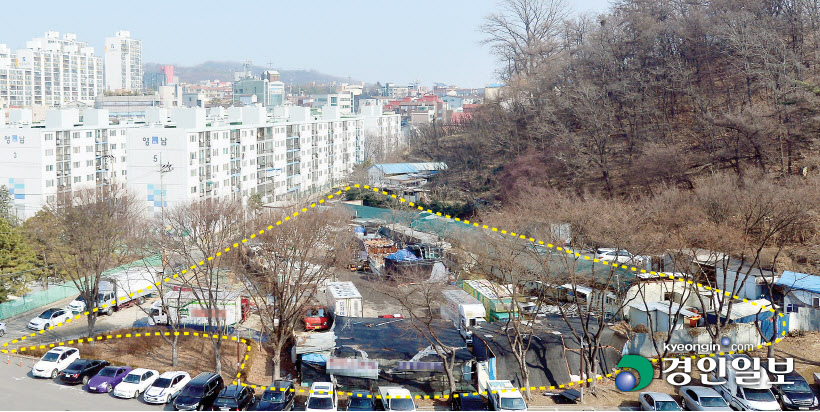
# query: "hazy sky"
x,y
397,41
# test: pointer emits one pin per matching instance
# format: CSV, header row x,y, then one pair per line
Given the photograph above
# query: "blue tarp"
x,y
402,255
358,229
314,358
801,281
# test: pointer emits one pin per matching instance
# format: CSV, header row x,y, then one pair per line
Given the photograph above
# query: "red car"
x,y
317,318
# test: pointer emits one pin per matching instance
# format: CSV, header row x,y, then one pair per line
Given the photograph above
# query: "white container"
x,y
344,299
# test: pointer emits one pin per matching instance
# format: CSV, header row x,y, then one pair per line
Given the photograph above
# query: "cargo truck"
x,y
184,308
344,299
123,288
463,310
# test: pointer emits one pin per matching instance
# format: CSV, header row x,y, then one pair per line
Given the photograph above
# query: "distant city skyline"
x,y
429,41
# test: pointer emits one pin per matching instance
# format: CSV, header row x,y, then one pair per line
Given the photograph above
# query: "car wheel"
x,y
46,326
54,374
85,380
199,408
109,311
140,300
2,332
109,388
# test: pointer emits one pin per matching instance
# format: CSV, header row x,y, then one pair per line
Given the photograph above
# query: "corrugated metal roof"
x,y
801,281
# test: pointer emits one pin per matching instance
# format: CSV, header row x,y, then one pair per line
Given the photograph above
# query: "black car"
x,y
199,393
234,398
361,401
81,370
794,396
466,401
277,397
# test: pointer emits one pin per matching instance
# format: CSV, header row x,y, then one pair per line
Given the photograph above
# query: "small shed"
x,y
660,316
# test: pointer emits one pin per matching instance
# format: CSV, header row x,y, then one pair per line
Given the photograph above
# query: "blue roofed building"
x,y
801,299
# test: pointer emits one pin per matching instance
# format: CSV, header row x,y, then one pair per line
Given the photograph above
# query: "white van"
x,y
754,397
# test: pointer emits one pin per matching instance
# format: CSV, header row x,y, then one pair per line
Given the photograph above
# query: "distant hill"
x,y
223,71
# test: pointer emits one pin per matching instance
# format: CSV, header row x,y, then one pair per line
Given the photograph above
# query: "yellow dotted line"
x,y
134,335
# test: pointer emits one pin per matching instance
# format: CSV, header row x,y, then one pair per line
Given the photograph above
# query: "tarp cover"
x,y
314,358
402,255
801,281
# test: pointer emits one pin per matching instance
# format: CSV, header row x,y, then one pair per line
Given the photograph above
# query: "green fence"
x,y
65,290
37,299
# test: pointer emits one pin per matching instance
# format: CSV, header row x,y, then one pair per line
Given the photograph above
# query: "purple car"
x,y
107,379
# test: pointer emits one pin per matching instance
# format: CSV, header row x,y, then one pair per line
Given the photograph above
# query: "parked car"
x,y
796,395
2,329
396,398
166,387
136,382
322,398
234,398
613,255
702,398
200,393
657,401
108,379
54,362
466,401
48,318
317,318
361,401
82,370
277,397
505,397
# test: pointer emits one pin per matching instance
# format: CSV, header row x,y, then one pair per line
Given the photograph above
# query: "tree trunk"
x,y
175,351
217,356
277,362
92,320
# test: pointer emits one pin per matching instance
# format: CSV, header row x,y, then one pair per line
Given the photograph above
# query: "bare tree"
x,y
208,226
93,229
287,266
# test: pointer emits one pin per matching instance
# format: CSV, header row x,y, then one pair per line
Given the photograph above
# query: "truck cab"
x,y
396,398
503,396
466,324
317,318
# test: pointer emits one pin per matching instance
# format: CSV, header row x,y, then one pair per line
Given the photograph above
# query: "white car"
x,y
322,398
657,401
166,387
54,362
135,383
51,317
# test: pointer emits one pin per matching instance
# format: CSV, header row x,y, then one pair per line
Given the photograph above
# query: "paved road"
x,y
22,392
125,318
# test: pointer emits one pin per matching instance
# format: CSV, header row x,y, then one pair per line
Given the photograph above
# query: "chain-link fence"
x,y
37,299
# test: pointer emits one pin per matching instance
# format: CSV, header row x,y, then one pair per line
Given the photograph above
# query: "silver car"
x,y
701,398
657,401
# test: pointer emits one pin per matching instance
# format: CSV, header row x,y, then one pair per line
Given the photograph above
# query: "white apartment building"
x,y
123,62
343,100
50,71
382,131
189,155
37,161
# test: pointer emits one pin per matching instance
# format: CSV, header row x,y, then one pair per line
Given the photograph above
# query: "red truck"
x,y
317,318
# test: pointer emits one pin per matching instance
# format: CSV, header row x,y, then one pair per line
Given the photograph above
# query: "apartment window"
x,y
76,165
89,163
49,168
112,133
124,172
193,156
193,189
113,147
193,140
76,150
193,172
49,152
89,178
122,132
49,136
89,149
49,183
225,151
89,134
77,179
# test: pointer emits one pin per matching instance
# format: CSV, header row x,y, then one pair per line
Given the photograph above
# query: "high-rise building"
x,y
123,62
51,71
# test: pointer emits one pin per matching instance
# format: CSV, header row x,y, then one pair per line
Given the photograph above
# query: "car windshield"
x,y
229,402
76,366
51,357
47,314
108,372
360,403
796,385
472,403
192,391
512,404
162,383
80,298
316,402
316,313
273,396
132,378
402,404
713,402
666,406
759,395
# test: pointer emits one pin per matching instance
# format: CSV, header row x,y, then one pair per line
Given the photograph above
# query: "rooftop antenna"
x,y
246,67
